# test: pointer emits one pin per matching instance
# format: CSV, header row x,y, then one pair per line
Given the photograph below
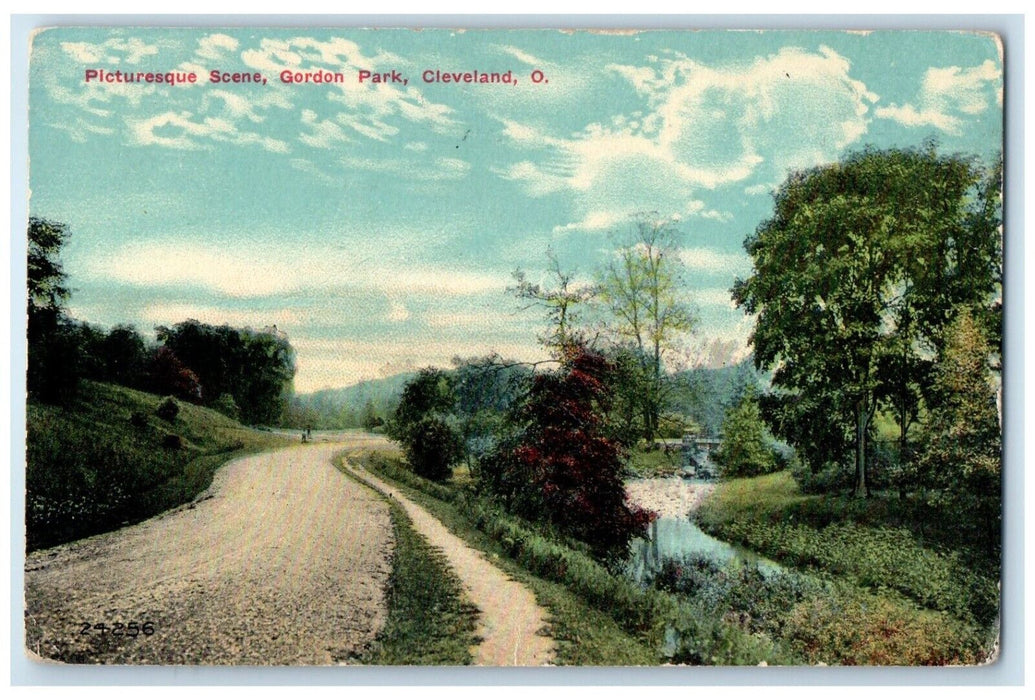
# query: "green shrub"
x,y
168,409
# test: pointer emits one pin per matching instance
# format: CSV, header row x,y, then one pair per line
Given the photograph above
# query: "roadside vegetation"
x,y
106,458
429,619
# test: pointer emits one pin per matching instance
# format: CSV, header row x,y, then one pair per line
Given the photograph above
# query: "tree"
x,y
559,466
422,424
53,349
847,274
562,302
370,419
643,290
963,446
961,459
745,451
254,367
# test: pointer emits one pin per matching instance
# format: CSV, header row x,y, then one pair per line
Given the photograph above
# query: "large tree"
x,y
53,347
643,289
862,262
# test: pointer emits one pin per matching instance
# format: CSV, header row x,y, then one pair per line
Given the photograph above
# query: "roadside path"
x,y
511,622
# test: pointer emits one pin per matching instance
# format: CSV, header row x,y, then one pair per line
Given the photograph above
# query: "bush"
x,y
431,446
172,442
168,409
563,469
226,405
138,419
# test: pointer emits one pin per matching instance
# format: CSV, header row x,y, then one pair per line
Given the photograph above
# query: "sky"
x,y
378,224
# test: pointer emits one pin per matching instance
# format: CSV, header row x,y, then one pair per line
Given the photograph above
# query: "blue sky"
x,y
378,224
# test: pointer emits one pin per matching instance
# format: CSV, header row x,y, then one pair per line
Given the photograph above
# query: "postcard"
x,y
501,347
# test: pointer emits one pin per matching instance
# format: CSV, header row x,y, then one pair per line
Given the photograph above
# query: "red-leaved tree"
x,y
560,466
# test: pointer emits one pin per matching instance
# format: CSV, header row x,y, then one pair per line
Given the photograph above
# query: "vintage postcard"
x,y
513,347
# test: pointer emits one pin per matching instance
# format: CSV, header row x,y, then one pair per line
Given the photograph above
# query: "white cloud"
x,y
432,170
367,106
114,51
215,46
322,133
279,269
706,126
524,56
398,312
709,260
946,94
178,130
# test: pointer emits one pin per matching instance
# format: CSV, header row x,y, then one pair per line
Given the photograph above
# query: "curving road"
x,y
283,561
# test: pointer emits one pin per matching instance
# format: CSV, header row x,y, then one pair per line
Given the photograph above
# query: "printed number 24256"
x,y
118,629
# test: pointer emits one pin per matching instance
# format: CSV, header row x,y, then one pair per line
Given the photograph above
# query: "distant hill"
x,y
345,407
106,458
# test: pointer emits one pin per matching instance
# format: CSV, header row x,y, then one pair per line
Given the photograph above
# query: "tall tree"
x,y
643,289
254,367
848,273
53,348
561,298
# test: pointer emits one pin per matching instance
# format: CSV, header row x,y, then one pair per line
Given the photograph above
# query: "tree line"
x,y
243,373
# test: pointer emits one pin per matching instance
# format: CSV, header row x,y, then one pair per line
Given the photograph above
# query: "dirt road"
x,y
284,562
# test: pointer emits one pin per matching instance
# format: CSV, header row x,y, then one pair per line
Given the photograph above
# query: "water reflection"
x,y
676,538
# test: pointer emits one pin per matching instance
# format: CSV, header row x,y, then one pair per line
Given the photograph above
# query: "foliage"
x,y
962,456
53,349
768,515
485,389
432,446
168,375
226,405
642,287
562,302
862,261
745,450
254,367
421,424
168,409
560,467
371,419
853,628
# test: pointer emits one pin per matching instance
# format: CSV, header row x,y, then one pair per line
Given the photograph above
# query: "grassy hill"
x,y
106,459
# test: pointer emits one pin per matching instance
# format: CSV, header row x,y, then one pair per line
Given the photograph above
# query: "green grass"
x,y
90,469
429,619
928,601
597,618
644,464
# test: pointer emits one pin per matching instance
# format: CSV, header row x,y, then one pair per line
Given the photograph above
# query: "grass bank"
x,y
597,617
430,621
106,459
895,597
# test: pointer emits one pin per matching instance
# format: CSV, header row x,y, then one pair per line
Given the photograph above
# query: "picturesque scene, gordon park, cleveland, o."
x,y
501,347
